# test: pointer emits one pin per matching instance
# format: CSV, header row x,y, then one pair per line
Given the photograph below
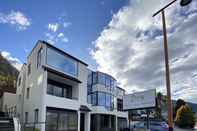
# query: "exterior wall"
x,y
9,101
82,76
20,91
36,81
58,102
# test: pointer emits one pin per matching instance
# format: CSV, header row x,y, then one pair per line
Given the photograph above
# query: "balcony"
x,y
60,102
62,87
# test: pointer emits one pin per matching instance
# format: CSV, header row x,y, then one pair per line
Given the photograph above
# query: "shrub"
x,y
185,118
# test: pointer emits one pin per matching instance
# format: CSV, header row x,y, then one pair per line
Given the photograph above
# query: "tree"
x,y
185,118
159,105
179,103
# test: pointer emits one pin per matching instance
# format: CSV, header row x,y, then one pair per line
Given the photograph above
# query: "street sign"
x,y
140,100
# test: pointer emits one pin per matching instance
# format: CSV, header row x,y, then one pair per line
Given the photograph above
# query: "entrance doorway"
x,y
82,121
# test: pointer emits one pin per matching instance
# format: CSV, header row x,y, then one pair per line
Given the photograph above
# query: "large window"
x,y
59,89
103,79
58,120
122,123
100,122
102,99
61,62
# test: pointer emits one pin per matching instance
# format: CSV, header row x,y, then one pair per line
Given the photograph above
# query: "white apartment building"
x,y
58,91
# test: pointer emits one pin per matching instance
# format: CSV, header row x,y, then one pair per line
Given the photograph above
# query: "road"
x,y
178,129
175,129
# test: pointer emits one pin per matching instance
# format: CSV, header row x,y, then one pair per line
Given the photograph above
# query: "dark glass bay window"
x,y
59,89
102,99
62,62
103,79
58,120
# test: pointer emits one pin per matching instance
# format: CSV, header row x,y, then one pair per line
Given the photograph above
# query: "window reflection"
x,y
57,120
102,99
61,62
101,78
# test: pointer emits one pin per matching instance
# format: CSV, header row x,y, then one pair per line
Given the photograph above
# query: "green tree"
x,y
179,103
159,106
185,118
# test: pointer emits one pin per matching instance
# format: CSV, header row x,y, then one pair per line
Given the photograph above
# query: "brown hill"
x,y
8,75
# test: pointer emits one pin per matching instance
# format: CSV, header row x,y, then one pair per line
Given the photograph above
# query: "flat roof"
x,y
120,88
59,50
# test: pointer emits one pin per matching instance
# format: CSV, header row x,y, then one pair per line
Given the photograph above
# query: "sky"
x,y
119,37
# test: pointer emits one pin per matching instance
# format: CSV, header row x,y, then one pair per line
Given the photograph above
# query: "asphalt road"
x,y
175,129
178,129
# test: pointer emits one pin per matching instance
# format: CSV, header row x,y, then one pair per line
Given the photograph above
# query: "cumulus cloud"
x,y
66,24
54,37
131,48
56,31
15,18
53,27
13,60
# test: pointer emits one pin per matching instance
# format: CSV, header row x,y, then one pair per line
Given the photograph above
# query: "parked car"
x,y
154,126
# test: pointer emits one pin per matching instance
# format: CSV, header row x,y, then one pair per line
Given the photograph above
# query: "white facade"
x,y
34,93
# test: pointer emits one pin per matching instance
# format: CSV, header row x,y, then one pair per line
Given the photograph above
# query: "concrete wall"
x,y
35,82
9,101
82,76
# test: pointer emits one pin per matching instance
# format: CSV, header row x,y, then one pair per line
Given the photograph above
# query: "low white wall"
x,y
58,102
9,100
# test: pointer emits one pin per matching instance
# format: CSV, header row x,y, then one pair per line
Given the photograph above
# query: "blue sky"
x,y
78,24
118,37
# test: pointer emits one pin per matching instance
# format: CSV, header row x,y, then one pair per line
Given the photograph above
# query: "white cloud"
x,y
15,18
13,60
66,24
55,31
130,48
53,26
60,35
54,37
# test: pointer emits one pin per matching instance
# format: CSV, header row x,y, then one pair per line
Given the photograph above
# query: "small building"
x,y
8,100
57,91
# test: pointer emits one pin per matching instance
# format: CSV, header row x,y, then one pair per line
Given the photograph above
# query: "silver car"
x,y
154,126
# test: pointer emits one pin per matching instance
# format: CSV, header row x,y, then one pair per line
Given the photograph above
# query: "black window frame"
x,y
26,117
29,69
28,93
19,81
119,104
36,115
39,57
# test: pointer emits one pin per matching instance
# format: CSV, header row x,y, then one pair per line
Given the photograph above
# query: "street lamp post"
x,y
165,41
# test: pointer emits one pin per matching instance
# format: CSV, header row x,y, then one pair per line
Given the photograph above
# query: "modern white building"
x,y
58,91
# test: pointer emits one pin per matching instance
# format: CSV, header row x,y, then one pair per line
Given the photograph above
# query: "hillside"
x,y
8,75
